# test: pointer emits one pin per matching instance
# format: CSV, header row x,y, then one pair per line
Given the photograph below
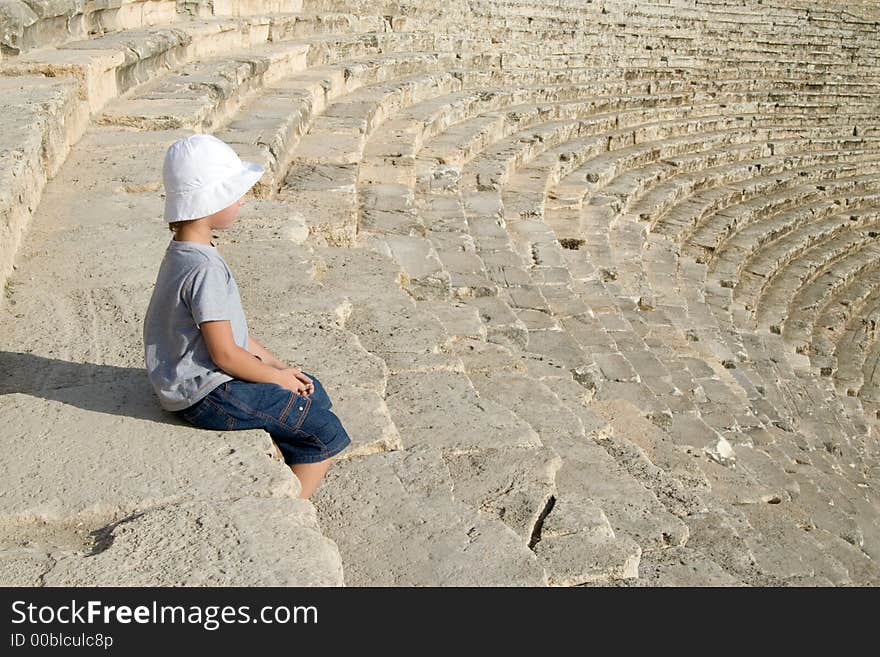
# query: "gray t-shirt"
x,y
194,285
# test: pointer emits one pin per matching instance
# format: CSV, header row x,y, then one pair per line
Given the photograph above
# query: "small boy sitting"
x,y
201,360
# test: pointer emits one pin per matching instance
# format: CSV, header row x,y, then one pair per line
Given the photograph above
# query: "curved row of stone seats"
x,y
662,160
800,270
709,234
80,77
655,203
188,98
829,325
738,12
701,221
749,350
854,345
751,257
824,285
675,46
558,161
31,24
638,127
624,174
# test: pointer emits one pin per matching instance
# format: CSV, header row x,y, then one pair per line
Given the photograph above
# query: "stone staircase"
x,y
592,287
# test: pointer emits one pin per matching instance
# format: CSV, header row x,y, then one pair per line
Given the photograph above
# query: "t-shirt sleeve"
x,y
209,295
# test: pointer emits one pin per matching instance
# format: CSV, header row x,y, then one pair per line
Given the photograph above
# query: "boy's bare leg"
x,y
309,475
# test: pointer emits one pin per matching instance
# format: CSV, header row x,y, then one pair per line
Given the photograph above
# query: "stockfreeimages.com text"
x,y
209,616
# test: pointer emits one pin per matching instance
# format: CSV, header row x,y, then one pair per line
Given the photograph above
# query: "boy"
x,y
201,361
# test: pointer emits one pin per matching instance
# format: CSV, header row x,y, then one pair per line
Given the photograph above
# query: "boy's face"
x,y
225,217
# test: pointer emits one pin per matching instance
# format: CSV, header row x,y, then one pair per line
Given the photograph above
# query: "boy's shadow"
x,y
103,388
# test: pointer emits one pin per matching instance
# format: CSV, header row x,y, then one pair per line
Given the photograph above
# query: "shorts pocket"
x,y
206,414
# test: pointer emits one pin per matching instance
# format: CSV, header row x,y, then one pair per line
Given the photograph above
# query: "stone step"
x,y
845,304
777,300
43,118
654,204
632,188
710,234
854,344
758,249
27,27
108,66
339,135
204,94
631,172
271,129
590,137
821,290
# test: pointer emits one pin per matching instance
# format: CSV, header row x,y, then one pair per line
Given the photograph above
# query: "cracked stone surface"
x,y
597,319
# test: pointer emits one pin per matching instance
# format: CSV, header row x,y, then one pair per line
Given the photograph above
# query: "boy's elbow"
x,y
223,357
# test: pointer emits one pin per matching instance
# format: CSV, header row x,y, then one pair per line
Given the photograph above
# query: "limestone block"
x,y
425,276
268,219
326,197
458,319
396,329
512,484
632,510
397,523
23,566
247,541
16,17
615,367
329,148
577,545
92,327
558,347
366,419
99,430
442,409
681,566
479,356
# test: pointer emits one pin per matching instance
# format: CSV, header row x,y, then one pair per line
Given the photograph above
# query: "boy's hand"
x,y
295,381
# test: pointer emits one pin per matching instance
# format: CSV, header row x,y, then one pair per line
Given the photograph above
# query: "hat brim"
x,y
207,200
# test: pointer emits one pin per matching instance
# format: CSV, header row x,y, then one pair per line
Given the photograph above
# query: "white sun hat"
x,y
203,175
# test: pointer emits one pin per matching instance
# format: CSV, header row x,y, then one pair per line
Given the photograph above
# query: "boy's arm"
x,y
257,349
232,359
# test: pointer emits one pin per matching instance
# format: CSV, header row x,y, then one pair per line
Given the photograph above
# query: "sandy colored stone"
x,y
243,542
512,484
397,522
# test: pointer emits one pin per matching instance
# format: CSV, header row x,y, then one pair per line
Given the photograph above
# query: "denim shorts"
x,y
303,427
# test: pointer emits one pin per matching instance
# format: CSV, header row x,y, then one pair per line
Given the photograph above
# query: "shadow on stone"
x,y
108,389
